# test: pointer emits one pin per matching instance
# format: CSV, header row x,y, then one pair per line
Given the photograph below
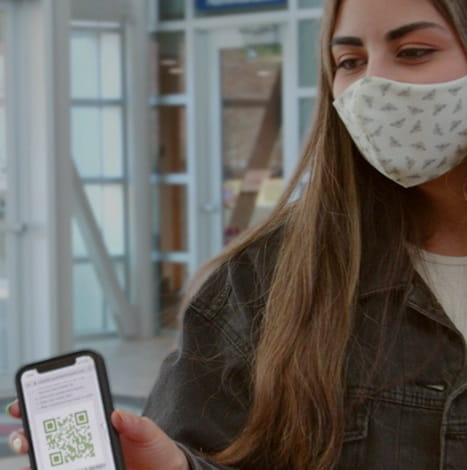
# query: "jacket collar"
x,y
420,297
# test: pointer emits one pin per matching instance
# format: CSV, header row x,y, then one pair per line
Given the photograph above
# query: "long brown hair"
x,y
297,415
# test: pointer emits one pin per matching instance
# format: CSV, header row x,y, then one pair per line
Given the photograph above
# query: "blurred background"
x,y
137,138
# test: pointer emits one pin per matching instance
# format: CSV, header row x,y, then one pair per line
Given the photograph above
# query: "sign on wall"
x,y
223,4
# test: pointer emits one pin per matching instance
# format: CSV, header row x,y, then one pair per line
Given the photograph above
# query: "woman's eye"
x,y
415,53
349,64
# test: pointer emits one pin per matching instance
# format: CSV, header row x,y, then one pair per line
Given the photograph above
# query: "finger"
x,y
18,442
13,409
145,445
136,428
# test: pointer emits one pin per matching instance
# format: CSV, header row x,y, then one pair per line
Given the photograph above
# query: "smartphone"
x,y
66,405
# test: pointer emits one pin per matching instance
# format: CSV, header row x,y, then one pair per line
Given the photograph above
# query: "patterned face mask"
x,y
411,133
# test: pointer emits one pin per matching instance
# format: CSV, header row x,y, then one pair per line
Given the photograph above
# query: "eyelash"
x,y
342,64
412,53
416,52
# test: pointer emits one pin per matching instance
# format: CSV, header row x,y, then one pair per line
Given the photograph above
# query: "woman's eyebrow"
x,y
392,35
409,28
346,41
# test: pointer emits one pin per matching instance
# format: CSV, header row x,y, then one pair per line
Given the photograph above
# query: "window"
x,y
99,152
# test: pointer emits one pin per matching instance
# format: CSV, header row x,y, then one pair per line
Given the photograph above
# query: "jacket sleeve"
x,y
203,392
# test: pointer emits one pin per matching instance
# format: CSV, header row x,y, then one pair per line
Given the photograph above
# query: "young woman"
x,y
333,336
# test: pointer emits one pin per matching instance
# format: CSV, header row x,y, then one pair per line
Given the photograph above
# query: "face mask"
x,y
411,133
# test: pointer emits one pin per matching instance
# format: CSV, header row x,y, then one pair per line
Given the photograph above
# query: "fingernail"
x,y
7,408
125,417
15,442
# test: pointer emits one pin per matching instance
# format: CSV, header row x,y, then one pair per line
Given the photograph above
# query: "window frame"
x,y
107,325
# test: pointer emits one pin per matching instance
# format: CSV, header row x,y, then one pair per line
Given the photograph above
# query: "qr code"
x,y
69,438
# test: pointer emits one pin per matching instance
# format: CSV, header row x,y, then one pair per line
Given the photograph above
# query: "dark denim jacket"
x,y
413,412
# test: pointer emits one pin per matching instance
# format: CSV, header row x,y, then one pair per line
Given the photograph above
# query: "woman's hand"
x,y
145,446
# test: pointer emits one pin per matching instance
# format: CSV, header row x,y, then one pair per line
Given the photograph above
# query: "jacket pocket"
x,y
355,434
358,414
356,427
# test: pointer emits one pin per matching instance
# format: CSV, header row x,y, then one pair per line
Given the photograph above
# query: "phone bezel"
x,y
58,362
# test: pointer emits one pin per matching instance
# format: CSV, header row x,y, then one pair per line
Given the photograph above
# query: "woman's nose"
x,y
380,66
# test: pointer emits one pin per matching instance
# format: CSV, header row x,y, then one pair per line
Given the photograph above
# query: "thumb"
x,y
145,446
140,430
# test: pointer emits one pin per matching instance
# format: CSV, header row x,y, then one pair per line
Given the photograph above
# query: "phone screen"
x,y
66,417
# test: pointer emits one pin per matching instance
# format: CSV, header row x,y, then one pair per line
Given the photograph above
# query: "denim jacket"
x,y
411,415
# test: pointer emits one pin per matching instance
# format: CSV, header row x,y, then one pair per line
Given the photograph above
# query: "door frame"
x,y
12,227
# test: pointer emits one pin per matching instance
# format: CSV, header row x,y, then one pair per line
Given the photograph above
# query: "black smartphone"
x,y
66,405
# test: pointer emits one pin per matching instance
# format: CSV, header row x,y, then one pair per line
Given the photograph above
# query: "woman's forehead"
x,y
360,17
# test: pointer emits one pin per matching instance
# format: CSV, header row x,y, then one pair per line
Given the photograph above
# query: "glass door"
x,y
247,125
